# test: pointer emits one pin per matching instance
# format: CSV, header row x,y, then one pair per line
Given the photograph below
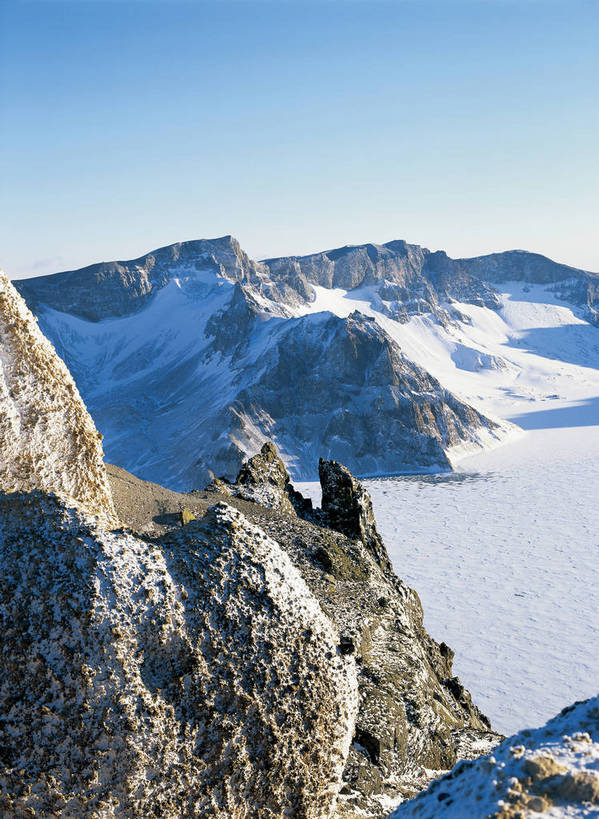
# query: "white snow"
x,y
505,553
551,771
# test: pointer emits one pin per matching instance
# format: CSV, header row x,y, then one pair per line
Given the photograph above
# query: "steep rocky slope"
x,y
254,662
43,421
550,771
191,357
110,289
414,716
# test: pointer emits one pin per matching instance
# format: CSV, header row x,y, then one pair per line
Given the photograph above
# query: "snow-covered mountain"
x,y
389,358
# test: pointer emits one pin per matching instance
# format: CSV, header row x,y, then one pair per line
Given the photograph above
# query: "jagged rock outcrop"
x,y
552,771
47,438
404,279
197,676
347,507
414,715
264,479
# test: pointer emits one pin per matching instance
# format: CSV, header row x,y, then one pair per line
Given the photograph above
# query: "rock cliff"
x,y
47,439
193,356
193,677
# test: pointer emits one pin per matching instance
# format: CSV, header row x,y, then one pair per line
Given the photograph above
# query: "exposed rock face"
x,y
414,716
175,318
341,388
187,388
578,287
196,676
121,288
348,509
47,438
406,280
544,771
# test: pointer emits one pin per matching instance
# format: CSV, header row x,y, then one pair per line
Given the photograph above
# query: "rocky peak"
x,y
264,479
264,468
414,715
48,440
112,289
347,508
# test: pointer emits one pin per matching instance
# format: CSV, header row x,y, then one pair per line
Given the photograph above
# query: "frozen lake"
x,y
504,554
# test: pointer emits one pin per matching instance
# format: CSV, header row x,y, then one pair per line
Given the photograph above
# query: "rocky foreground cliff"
x,y
551,771
414,716
262,660
44,424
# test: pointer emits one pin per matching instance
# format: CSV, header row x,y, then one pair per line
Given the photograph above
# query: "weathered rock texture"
x,y
407,279
47,438
347,508
553,771
124,287
197,676
414,716
263,479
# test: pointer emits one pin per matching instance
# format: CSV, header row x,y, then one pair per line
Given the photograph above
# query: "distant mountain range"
x,y
192,356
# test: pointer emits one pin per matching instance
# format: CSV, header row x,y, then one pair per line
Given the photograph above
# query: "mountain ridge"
x,y
190,357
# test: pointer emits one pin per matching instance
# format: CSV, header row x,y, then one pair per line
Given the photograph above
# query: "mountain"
x,y
549,771
407,279
196,675
191,357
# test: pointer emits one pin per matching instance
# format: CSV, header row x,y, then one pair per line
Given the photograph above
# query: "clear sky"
x,y
466,125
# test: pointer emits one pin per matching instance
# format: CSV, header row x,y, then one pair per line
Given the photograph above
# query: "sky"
x,y
465,125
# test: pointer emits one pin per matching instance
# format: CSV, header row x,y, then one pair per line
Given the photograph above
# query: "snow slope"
x,y
534,349
198,379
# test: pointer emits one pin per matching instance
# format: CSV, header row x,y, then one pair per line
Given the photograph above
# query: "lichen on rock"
x,y
197,676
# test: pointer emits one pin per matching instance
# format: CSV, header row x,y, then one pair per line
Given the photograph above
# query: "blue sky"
x,y
297,126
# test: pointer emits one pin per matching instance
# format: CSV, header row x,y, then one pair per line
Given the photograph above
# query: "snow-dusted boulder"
x,y
264,479
195,677
552,771
47,438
